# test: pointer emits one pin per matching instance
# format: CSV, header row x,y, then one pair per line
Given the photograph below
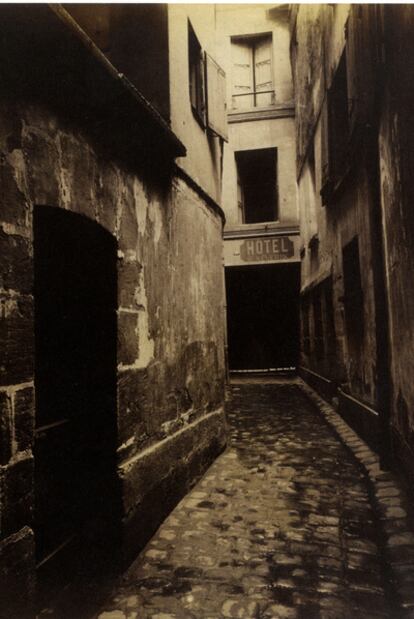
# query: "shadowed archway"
x,y
77,498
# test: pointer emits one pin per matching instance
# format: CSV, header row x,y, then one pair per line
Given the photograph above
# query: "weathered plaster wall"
x,y
276,133
203,161
396,144
236,20
170,330
317,44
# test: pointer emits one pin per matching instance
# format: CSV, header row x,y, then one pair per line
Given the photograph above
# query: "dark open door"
x,y
263,316
77,500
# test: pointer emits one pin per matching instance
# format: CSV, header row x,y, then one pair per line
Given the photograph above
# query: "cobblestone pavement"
x,y
281,526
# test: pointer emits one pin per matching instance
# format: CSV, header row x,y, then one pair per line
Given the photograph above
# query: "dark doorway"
x,y
77,501
263,316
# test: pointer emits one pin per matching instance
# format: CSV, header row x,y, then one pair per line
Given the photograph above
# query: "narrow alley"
x,y
280,526
206,311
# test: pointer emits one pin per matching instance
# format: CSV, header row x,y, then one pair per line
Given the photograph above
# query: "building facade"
x,y
261,236
111,285
353,78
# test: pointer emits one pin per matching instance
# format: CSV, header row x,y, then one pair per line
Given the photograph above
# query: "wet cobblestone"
x,y
281,526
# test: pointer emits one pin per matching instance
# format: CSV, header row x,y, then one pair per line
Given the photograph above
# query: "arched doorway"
x,y
77,499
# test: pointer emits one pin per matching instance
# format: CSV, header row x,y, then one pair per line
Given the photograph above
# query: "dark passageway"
x,y
263,316
77,499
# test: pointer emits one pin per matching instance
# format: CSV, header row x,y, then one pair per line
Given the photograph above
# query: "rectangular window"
x,y
353,295
338,122
336,131
318,331
329,318
257,184
305,324
252,74
196,75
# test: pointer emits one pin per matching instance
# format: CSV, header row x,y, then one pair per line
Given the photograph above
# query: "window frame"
x,y
336,123
256,37
243,154
196,77
353,295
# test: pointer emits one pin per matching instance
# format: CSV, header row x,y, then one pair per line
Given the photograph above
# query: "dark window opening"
x,y
353,295
318,324
77,497
196,76
329,318
338,122
257,185
305,324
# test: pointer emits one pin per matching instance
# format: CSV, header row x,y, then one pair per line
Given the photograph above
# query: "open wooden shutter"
x,y
216,97
325,168
242,75
240,199
263,71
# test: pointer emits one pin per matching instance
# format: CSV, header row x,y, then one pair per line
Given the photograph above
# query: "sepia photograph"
x,y
206,311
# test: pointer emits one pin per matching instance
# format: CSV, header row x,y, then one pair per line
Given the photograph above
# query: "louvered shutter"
x,y
263,71
216,97
242,75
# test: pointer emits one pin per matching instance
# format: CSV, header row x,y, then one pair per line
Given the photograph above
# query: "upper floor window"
x,y
196,75
338,122
335,147
257,185
207,82
252,76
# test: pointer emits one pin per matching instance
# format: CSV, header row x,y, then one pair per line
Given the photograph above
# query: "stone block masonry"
x,y
110,172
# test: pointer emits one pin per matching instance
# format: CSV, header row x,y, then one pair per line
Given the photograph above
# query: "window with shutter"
x,y
216,97
263,72
336,133
252,77
240,198
242,75
196,76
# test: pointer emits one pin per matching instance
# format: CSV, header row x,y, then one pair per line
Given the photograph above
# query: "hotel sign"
x,y
261,250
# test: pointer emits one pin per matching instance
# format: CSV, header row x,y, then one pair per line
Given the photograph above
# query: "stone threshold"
x,y
389,501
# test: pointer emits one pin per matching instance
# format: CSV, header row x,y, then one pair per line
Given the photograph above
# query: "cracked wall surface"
x,y
170,356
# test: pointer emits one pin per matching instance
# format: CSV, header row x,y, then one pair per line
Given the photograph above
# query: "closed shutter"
x,y
242,75
263,71
216,97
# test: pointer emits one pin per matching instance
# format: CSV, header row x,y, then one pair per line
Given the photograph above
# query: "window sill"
x,y
261,229
285,110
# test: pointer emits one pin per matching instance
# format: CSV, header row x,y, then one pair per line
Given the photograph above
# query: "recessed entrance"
x,y
77,505
263,316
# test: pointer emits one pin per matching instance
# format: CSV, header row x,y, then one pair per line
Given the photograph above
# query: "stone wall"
x,y
338,209
396,141
170,350
371,202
